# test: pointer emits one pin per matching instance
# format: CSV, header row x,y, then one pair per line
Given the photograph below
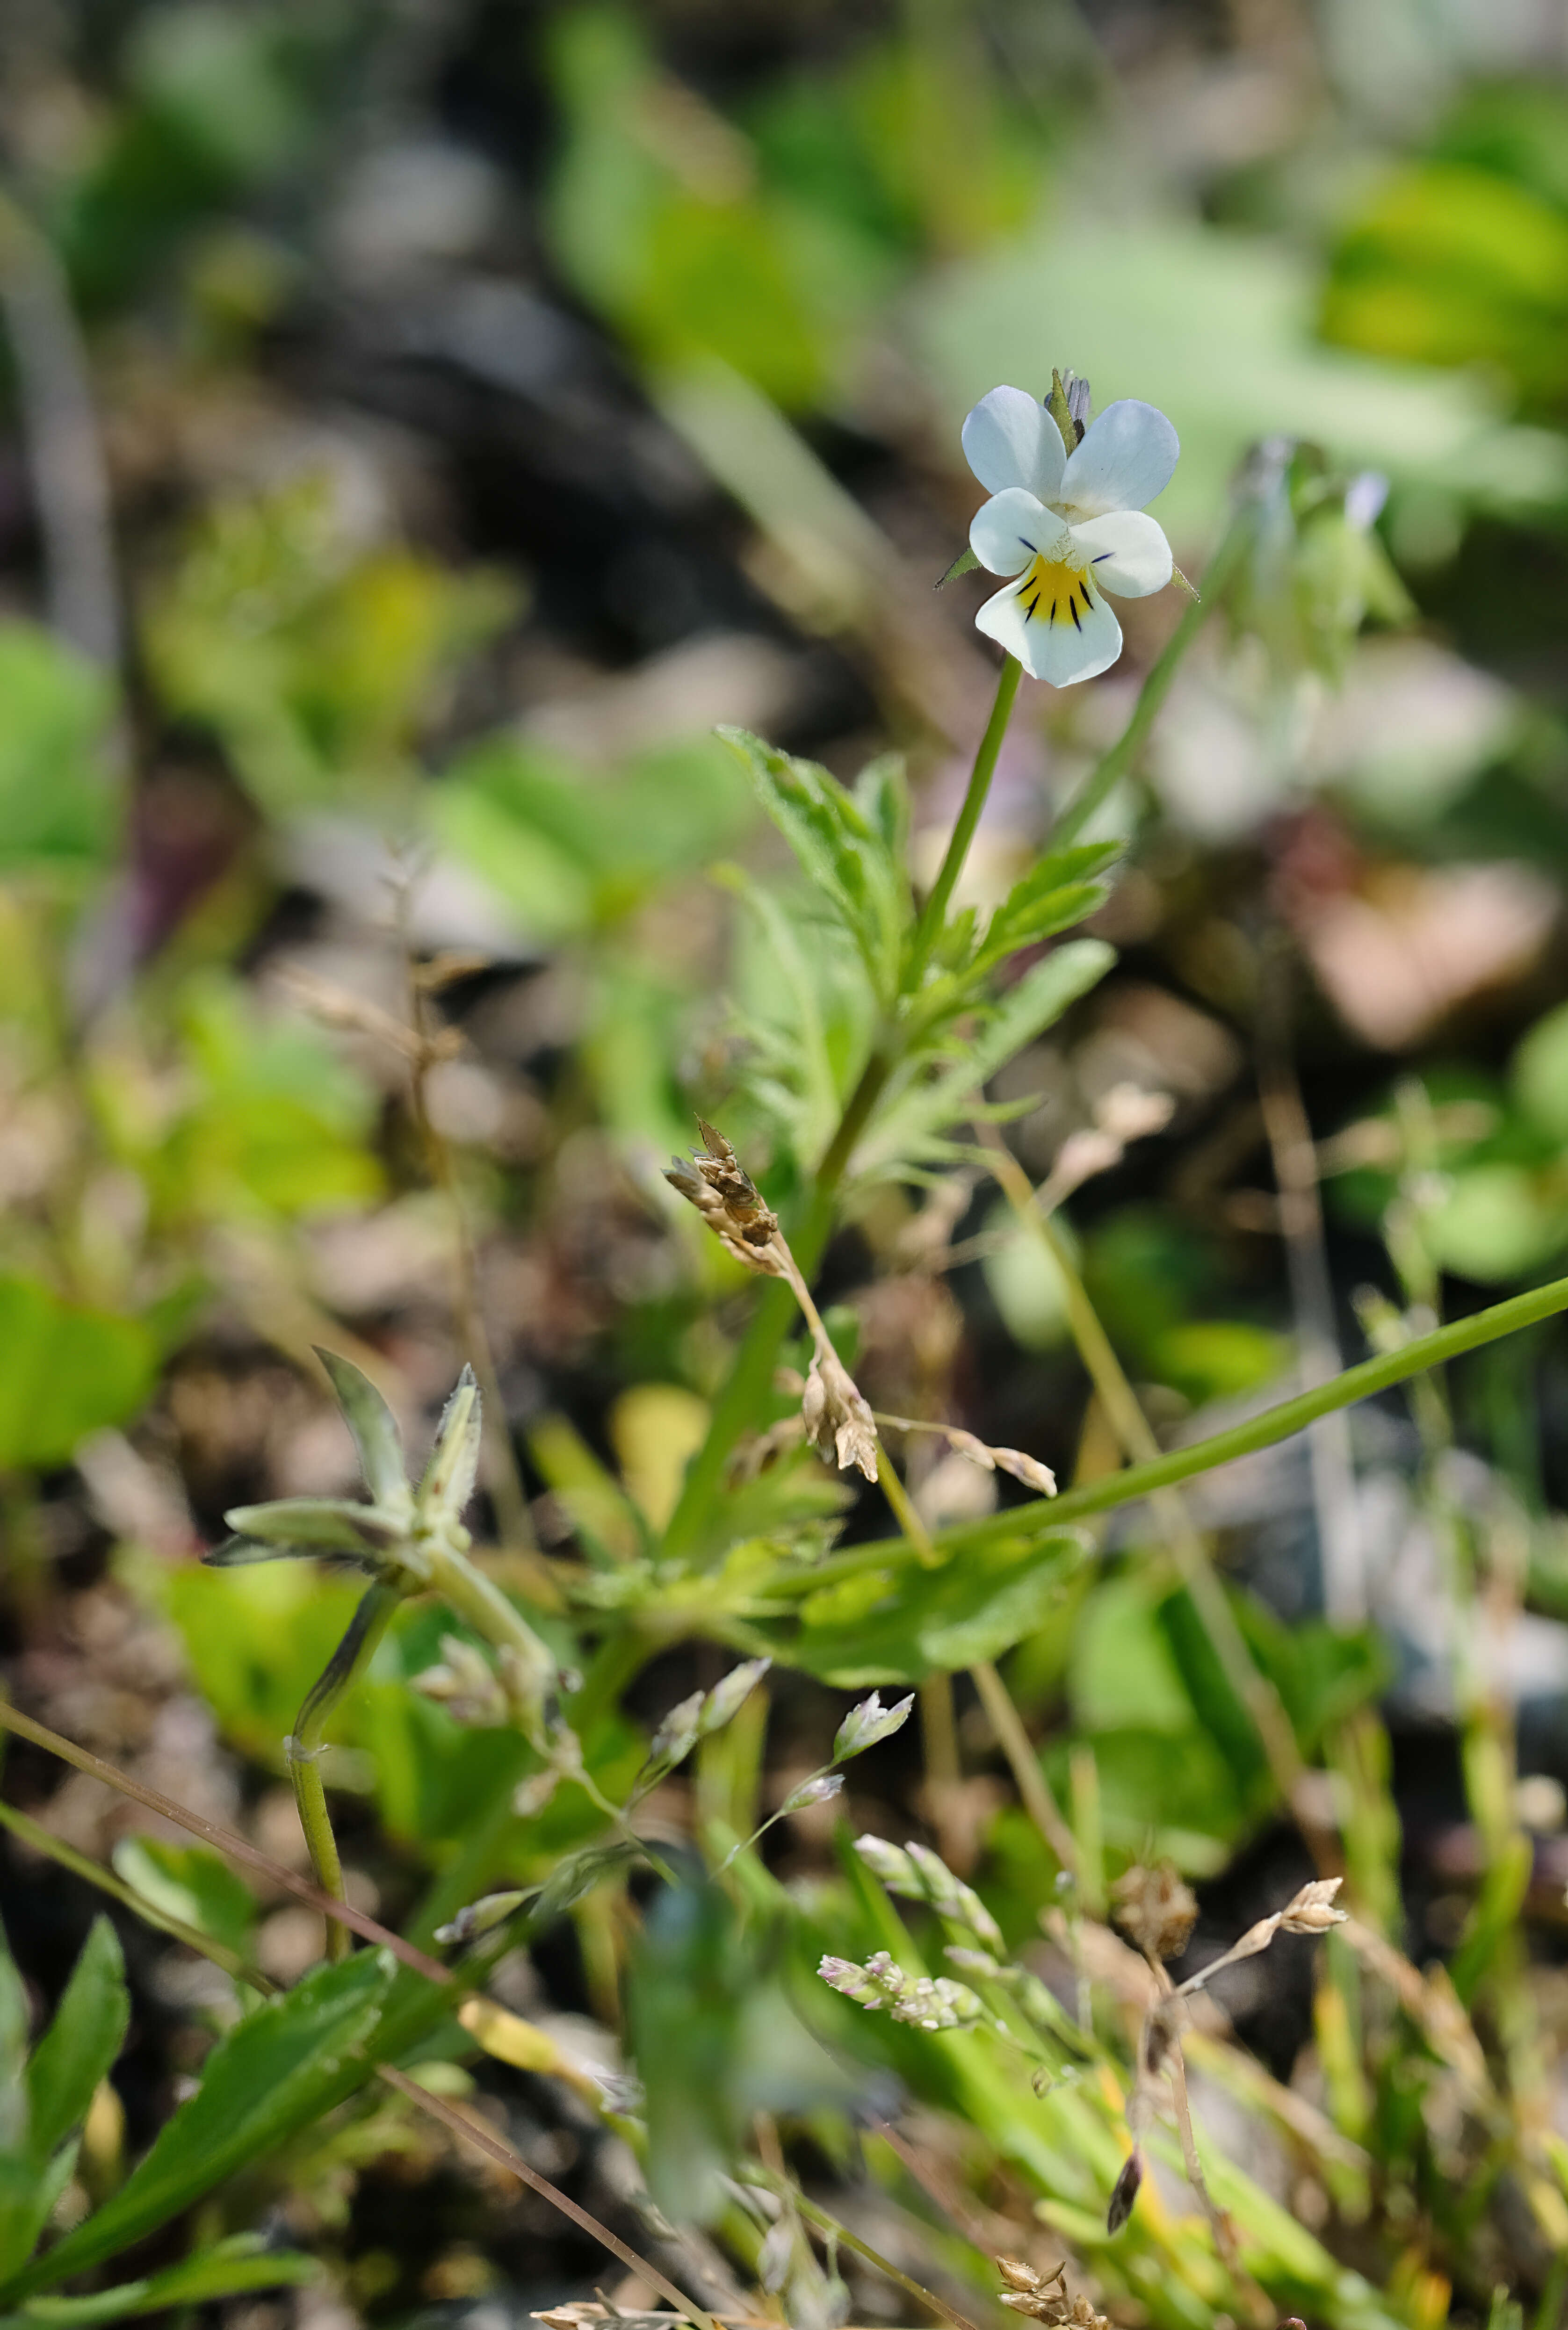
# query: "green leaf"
x,y
60,810
1058,891
81,2044
883,1626
242,2263
268,2077
916,1115
374,1428
64,1372
28,2191
191,1882
314,1525
838,848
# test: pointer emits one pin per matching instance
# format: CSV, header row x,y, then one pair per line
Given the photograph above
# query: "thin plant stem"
x,y
302,1748
223,1839
939,1739
42,1841
933,912
1265,1430
1033,1788
828,2224
1132,1428
752,1374
1294,1155
457,2123
1113,765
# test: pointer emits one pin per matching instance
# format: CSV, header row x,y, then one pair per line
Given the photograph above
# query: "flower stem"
x,y
1114,764
934,914
303,1748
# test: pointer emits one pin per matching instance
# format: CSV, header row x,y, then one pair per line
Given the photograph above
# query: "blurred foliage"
x,y
377,546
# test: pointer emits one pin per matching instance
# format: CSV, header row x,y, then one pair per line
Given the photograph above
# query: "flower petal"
x,y
1011,439
1128,553
1009,530
1061,651
1125,458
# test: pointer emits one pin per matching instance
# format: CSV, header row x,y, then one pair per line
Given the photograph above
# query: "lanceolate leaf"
x,y
375,1430
312,1524
268,2077
919,1112
79,2045
1058,891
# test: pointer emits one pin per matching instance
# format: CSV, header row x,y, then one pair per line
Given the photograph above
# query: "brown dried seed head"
x,y
839,1423
1016,2274
1312,1911
1155,1909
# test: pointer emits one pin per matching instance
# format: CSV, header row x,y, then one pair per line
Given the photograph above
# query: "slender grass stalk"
x,y
1113,765
1132,1428
1033,1788
1045,1515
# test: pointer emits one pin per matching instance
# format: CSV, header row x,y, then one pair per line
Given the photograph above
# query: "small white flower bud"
x,y
866,1725
814,1791
888,1863
726,1699
678,1734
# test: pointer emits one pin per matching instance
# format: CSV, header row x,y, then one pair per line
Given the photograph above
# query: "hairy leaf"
x,y
374,1429
840,850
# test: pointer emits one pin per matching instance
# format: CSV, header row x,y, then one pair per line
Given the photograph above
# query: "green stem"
x,y
750,1378
1104,779
303,1748
934,914
1263,1431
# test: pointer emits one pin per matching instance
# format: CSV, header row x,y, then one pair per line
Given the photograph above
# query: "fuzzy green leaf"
x,y
374,1428
268,2077
840,848
917,1113
310,1525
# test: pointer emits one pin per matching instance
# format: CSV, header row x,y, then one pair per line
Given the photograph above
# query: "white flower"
x,y
1070,527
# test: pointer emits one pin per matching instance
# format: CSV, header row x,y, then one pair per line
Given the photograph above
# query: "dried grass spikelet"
x,y
1156,1909
839,1423
1044,2298
1310,1911
724,1193
837,1420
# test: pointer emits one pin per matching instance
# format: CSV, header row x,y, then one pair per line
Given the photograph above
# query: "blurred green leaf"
x,y
80,2045
191,1882
266,2079
920,1108
64,1372
59,806
226,2269
886,1626
840,849
1450,265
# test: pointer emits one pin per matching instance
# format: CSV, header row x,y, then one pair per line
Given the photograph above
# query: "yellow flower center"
x,y
1055,590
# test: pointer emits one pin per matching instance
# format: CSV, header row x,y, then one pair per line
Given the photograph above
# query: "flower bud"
x,y
677,1735
814,1791
888,1863
480,1916
726,1699
866,1725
